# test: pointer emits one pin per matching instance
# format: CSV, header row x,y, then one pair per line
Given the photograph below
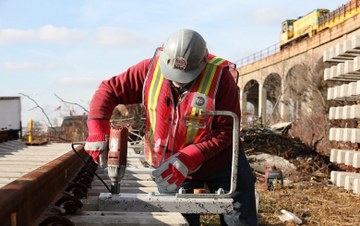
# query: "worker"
x,y
178,83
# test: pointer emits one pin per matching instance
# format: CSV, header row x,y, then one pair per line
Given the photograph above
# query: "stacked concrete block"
x,y
346,55
345,156
356,186
344,179
355,136
355,112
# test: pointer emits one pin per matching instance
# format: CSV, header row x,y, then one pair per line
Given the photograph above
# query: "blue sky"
x,y
66,48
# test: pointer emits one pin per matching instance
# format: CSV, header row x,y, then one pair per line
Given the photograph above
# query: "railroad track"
x,y
55,185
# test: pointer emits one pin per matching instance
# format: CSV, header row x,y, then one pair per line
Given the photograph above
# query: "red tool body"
x,y
117,156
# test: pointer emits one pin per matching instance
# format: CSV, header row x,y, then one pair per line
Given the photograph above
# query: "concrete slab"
x,y
164,203
108,218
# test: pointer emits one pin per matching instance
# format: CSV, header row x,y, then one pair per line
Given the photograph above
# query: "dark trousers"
x,y
244,213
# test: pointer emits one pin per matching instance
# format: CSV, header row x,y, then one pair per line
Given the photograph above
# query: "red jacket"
x,y
127,87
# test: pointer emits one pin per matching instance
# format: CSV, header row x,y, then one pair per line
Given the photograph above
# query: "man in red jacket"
x,y
176,85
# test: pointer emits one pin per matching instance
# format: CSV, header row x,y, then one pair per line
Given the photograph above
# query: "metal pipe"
x,y
235,154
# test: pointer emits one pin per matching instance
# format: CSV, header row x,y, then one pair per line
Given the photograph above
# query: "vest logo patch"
x,y
199,101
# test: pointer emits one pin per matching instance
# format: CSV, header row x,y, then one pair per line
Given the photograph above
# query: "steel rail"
x,y
24,200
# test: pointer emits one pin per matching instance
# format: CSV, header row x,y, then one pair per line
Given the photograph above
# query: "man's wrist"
x,y
192,157
98,126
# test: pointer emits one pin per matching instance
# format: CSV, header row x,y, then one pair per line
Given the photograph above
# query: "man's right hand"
x,y
97,141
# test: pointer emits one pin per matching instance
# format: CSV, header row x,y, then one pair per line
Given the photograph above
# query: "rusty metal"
x,y
79,190
84,179
23,200
69,203
56,220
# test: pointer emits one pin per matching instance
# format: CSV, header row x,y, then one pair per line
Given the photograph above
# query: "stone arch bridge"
x,y
278,87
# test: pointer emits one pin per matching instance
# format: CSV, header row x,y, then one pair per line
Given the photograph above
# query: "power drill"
x,y
117,156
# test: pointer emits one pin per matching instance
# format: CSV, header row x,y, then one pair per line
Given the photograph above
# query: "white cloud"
x,y
21,66
33,66
111,36
48,33
269,16
59,34
77,80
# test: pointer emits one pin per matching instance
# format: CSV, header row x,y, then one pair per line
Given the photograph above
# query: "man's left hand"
x,y
173,172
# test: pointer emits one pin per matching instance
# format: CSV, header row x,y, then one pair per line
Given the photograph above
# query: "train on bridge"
x,y
296,30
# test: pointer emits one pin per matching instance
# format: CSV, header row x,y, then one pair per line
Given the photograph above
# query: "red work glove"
x,y
173,172
97,141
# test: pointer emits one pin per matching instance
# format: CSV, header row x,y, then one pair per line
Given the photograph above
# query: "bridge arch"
x,y
272,86
304,58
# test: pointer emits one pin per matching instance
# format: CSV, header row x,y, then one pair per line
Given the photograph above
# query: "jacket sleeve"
x,y
125,88
219,139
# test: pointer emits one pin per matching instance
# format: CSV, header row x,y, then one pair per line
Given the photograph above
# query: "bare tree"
x,y
46,116
72,103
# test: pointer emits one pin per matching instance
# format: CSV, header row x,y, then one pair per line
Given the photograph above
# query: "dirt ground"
x,y
307,191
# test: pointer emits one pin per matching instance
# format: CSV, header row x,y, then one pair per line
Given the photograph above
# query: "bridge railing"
x,y
258,55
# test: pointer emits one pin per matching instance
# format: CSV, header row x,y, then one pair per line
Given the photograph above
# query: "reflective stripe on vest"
x,y
156,90
204,88
153,96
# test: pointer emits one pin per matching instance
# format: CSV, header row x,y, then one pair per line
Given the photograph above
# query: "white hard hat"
x,y
184,56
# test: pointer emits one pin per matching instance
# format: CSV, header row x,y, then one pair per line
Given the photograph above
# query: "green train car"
x,y
296,30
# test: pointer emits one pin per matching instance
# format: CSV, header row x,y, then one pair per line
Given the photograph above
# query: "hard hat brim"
x,y
180,76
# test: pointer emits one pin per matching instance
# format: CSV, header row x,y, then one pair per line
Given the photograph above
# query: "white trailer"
x,y
10,118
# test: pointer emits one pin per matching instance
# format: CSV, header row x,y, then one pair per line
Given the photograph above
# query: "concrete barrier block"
x,y
339,134
347,46
333,72
333,155
356,160
326,56
344,90
346,112
348,66
352,88
349,179
327,74
355,111
339,49
356,186
340,178
330,93
346,134
339,112
349,156
340,70
332,111
332,133
356,63
337,93
331,52
355,136
340,158
333,176
355,43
